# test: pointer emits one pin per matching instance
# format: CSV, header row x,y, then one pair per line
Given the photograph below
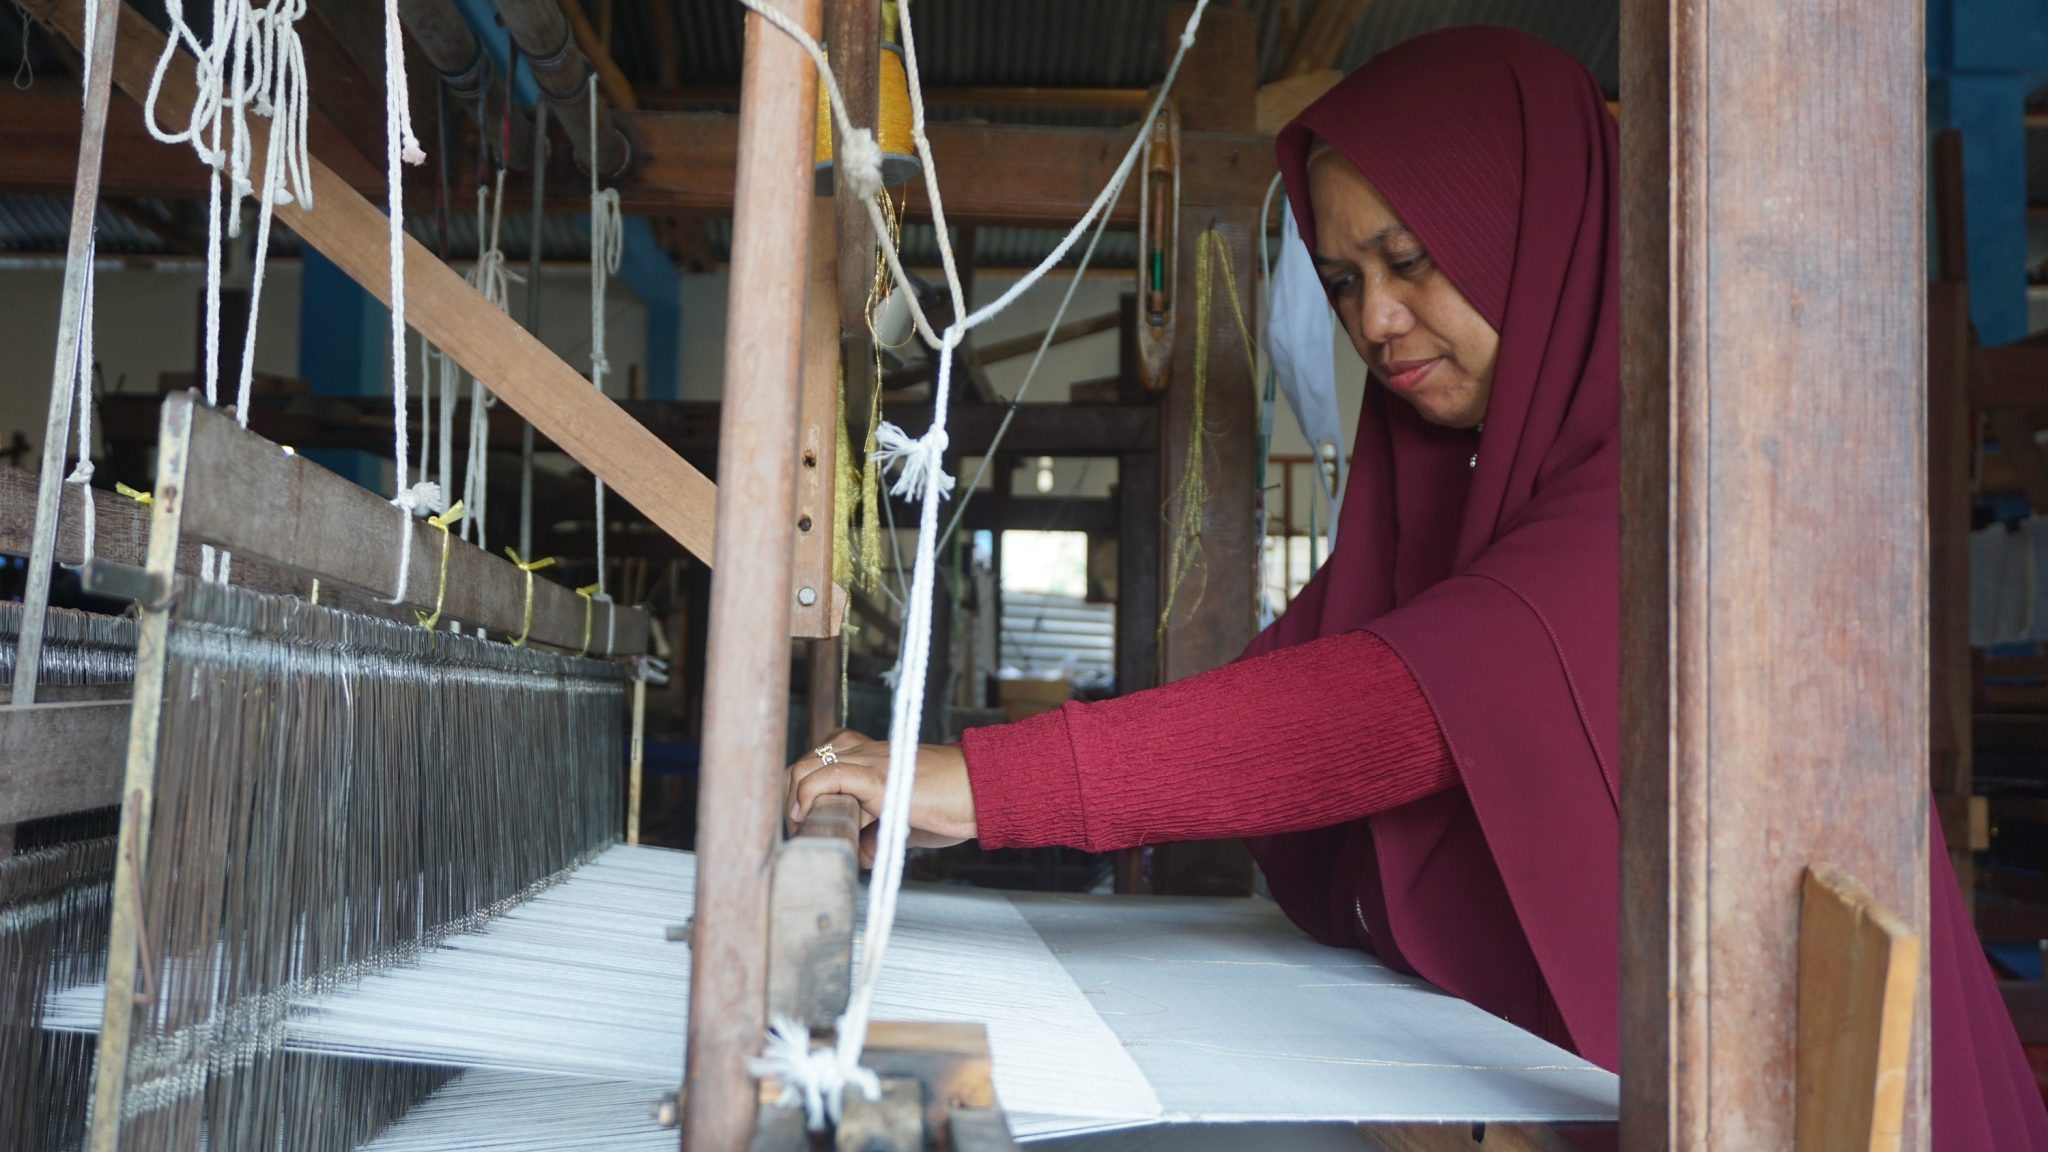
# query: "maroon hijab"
x,y
1497,582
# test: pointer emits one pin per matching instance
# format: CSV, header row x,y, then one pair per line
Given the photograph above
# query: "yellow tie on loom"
x,y
529,567
444,521
136,494
587,592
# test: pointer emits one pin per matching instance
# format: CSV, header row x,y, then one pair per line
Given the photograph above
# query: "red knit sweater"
x,y
1306,737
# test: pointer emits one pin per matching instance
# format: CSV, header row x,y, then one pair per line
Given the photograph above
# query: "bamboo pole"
x,y
746,693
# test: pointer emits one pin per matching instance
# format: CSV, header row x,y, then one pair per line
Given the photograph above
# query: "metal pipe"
x,y
535,242
746,688
566,81
466,68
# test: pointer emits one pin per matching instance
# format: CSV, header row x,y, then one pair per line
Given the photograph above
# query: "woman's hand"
x,y
941,805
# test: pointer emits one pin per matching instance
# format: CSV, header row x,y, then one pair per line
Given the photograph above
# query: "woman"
x,y
1453,808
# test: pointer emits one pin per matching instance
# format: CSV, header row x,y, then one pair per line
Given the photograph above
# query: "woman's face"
x,y
1415,331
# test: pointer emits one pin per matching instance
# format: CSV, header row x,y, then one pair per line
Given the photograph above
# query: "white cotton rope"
x,y
401,146
607,245
922,473
492,279
255,57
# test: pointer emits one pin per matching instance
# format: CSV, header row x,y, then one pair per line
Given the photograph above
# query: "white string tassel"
x,y
916,457
816,1078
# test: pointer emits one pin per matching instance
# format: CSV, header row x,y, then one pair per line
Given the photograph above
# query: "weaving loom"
x,y
366,890
1104,1014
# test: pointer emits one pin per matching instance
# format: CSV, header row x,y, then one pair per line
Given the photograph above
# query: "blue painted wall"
x,y
344,350
1983,57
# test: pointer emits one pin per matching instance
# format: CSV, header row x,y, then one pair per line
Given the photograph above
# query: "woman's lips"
x,y
1405,376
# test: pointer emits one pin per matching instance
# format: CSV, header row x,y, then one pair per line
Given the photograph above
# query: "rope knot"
x,y
816,1078
425,494
919,459
862,163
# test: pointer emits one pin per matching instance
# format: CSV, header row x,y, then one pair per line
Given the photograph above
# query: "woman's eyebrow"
x,y
1376,240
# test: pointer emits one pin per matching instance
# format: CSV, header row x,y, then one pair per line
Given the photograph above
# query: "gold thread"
x,y
529,567
454,515
1192,494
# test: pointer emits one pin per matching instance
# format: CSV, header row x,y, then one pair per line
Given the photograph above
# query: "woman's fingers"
x,y
847,776
841,741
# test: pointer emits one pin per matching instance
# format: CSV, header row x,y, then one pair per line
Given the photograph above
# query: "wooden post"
x,y
747,678
1774,555
1950,350
63,369
816,609
1213,616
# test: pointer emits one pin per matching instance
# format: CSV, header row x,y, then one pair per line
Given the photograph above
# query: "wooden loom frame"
x,y
1693,550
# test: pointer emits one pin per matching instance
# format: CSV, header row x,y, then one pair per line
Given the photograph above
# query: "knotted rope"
x,y
820,1084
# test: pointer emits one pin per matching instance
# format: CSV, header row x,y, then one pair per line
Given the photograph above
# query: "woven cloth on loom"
x,y
1104,1013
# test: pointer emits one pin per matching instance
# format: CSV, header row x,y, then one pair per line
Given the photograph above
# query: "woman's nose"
x,y
1382,318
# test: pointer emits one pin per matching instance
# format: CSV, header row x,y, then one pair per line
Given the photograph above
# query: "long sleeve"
x,y
1305,737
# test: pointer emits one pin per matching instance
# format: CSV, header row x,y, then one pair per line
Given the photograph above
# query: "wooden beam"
x,y
520,370
1323,33
855,33
611,82
243,494
992,174
1000,350
1465,1138
2015,435
57,759
1747,758
746,690
1859,967
683,163
2009,376
121,535
1209,617
1950,451
1283,100
816,612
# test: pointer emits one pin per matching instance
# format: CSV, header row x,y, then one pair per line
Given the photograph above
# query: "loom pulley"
x,y
1158,248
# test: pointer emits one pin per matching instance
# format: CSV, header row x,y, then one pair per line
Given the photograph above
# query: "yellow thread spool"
x,y
899,154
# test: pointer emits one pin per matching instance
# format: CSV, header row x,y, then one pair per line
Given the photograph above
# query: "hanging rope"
x,y
607,245
921,474
492,279
401,146
255,62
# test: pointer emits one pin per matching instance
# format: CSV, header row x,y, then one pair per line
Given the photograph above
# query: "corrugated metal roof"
x,y
34,222
1092,44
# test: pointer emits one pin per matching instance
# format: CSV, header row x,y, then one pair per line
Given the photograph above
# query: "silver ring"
x,y
826,755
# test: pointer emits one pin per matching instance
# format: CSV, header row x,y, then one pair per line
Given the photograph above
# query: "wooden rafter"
x,y
1322,35
994,174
